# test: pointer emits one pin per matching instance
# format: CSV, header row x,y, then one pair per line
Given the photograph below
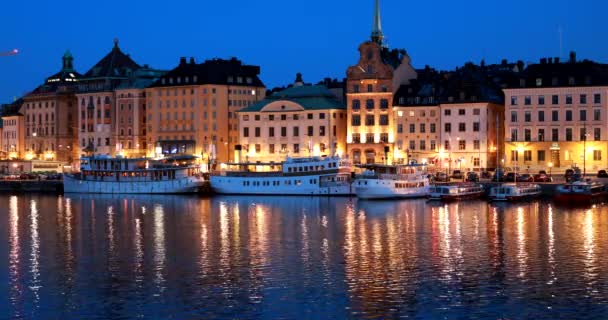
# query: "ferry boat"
x,y
391,181
294,176
580,191
454,192
514,192
102,174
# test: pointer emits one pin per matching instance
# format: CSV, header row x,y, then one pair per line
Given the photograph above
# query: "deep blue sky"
x,y
316,37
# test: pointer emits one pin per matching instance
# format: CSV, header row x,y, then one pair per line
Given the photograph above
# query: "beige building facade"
x,y
300,121
192,109
556,118
370,87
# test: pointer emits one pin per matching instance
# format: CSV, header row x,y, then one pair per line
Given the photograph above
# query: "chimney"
x,y
504,62
550,60
543,60
182,61
556,60
191,60
572,57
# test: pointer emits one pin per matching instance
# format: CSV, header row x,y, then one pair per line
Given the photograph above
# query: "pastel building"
x,y
370,86
452,119
300,121
191,110
97,101
13,131
130,112
556,117
51,117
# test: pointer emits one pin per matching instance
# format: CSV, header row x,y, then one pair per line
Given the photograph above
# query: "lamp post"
x,y
550,166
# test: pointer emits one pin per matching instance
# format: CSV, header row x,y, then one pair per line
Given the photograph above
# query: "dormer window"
x,y
249,80
230,79
194,79
554,81
170,80
239,79
179,80
539,82
186,80
571,81
401,100
522,82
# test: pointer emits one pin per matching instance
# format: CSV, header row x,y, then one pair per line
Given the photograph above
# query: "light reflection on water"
x,y
280,257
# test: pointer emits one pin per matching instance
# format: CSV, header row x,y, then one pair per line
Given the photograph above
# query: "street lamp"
x,y
550,166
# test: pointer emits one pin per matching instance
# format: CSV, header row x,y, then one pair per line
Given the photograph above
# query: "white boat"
x,y
133,176
294,176
392,181
514,192
454,192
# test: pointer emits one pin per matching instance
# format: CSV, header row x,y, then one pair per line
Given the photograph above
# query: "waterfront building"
x,y
13,130
370,87
97,101
451,119
191,109
130,111
300,121
417,119
556,116
50,113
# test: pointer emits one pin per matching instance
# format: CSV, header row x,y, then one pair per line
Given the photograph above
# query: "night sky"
x,y
316,37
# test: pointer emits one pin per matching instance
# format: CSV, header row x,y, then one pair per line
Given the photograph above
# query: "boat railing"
x,y
389,176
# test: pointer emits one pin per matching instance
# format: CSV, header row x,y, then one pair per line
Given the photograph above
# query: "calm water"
x,y
104,257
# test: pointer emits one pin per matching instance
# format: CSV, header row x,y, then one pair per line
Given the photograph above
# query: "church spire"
x,y
377,35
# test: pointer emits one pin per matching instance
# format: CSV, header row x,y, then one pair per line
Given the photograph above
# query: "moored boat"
x,y
514,192
103,174
294,176
455,192
392,182
580,191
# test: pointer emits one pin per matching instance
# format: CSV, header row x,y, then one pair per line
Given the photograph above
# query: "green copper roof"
x,y
316,97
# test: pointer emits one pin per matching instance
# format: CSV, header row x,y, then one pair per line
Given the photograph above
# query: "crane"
x,y
9,53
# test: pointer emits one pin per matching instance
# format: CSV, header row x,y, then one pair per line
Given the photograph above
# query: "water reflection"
x,y
252,257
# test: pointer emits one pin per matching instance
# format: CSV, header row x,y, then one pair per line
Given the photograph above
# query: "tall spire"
x,y
377,35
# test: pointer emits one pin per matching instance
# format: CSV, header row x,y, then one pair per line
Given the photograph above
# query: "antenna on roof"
x,y
561,39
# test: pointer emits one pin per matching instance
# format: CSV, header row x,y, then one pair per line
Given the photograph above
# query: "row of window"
x,y
42,146
370,138
370,87
568,132
33,105
272,148
167,103
422,126
461,112
283,117
541,155
582,115
370,104
540,100
11,122
462,145
107,100
462,127
295,131
46,118
39,131
370,120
